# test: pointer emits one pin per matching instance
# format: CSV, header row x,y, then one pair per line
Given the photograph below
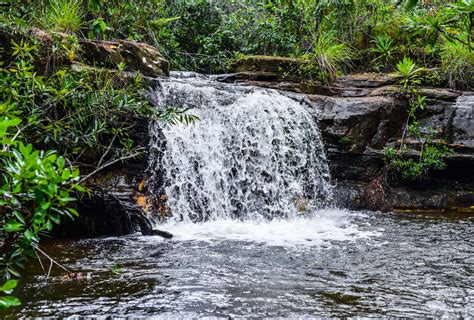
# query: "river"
x,y
334,264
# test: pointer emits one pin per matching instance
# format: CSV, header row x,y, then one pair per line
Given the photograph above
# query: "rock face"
x,y
356,131
137,56
356,128
360,114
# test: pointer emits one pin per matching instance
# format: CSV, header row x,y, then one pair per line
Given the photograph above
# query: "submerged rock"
x,y
162,233
103,214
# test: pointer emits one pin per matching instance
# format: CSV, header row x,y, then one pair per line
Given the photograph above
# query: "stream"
x,y
335,263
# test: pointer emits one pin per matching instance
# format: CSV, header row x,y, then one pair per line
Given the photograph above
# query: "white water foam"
x,y
253,168
254,153
317,229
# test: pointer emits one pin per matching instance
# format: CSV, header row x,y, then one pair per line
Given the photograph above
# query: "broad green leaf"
x,y
73,211
55,219
29,235
8,302
13,226
9,286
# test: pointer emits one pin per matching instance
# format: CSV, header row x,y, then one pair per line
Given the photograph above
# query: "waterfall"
x,y
253,154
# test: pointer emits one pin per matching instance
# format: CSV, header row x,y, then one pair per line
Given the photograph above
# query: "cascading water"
x,y
254,154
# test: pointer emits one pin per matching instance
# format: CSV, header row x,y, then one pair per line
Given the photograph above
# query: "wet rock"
x,y
102,214
360,159
462,124
246,76
348,166
349,194
441,198
378,193
363,122
72,276
120,200
359,114
439,94
162,233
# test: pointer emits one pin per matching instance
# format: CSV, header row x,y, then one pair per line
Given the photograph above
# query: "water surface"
x,y
335,263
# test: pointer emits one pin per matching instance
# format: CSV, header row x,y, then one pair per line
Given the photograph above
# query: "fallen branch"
x,y
52,261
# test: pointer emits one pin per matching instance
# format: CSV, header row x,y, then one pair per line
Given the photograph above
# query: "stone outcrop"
x,y
368,80
360,114
358,158
280,66
137,56
357,129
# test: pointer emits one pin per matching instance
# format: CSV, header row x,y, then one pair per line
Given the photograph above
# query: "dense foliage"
x,y
206,36
36,190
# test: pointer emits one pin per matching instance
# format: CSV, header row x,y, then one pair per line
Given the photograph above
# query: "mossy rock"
x,y
273,64
137,56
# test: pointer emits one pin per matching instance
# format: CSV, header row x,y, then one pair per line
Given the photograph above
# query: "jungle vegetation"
x,y
56,127
340,35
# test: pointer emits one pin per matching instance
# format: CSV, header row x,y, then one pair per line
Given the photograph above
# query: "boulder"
x,y
278,65
357,124
265,69
137,56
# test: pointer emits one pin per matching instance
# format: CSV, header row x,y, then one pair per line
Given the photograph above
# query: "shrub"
x,y
408,72
457,65
63,16
345,140
383,49
8,301
35,193
427,150
330,57
86,115
416,165
71,112
83,120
